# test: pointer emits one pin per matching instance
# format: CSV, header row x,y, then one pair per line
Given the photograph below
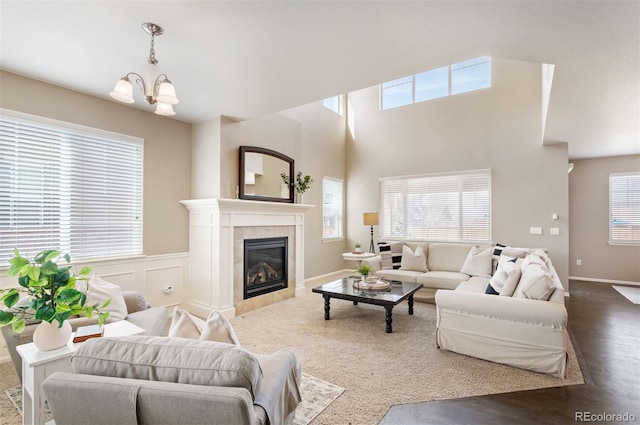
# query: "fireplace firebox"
x,y
265,266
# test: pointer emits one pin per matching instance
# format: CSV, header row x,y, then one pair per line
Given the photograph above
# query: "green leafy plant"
x,y
301,184
357,245
364,269
52,289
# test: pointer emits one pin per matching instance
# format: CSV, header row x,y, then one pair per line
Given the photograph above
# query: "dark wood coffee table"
x,y
344,290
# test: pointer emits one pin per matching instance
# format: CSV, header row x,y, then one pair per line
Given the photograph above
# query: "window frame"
x,y
64,135
402,199
612,178
340,214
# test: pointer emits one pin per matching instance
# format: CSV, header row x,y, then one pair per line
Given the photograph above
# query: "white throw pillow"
x,y
536,283
513,272
99,290
386,262
413,261
478,262
216,328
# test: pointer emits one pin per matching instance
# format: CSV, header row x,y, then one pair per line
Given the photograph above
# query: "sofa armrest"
x,y
523,310
135,301
374,263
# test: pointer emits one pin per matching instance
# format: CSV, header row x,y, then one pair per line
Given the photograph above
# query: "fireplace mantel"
x,y
211,227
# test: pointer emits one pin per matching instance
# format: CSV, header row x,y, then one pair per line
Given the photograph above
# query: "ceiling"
x,y
249,58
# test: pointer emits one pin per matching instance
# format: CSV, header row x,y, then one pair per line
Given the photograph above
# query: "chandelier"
x,y
156,87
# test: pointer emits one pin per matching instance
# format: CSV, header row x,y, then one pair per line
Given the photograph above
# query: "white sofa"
x,y
516,330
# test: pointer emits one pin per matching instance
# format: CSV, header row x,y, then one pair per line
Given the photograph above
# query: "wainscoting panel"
x,y
146,274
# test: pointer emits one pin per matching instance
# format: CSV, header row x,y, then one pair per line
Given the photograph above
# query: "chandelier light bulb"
x,y
123,91
164,109
167,93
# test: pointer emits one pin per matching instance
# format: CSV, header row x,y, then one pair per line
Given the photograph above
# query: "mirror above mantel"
x,y
260,175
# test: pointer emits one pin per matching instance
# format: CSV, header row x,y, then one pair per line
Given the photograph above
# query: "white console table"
x,y
38,365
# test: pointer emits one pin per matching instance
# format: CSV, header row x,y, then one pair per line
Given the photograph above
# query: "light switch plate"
x,y
535,230
555,231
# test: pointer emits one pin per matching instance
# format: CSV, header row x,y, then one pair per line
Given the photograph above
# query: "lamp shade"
x,y
371,218
123,91
164,109
167,93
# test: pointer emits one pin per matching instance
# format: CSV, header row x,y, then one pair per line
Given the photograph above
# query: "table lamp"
x,y
371,219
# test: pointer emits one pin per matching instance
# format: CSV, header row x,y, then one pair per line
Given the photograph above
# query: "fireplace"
x,y
265,266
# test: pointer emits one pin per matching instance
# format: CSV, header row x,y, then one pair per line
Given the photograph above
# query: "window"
x,y
624,208
442,207
68,187
335,103
332,208
474,74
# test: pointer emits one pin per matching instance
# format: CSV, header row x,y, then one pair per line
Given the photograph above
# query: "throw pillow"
x,y
513,272
395,248
536,283
478,262
386,263
490,290
216,328
413,261
99,290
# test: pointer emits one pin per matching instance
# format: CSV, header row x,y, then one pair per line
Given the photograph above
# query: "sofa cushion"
x,y
397,274
99,290
536,283
168,359
386,260
506,278
444,280
475,284
478,262
447,257
414,261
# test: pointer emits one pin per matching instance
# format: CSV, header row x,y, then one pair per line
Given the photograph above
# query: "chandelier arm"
x,y
143,87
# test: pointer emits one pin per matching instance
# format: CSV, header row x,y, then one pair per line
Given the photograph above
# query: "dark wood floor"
x,y
605,332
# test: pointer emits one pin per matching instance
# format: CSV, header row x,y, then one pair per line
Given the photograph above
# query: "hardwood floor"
x,y
605,332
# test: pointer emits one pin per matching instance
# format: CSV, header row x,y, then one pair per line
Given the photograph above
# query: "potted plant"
x,y
301,183
53,297
358,247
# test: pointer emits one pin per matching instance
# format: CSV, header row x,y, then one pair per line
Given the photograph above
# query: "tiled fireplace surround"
x,y
217,230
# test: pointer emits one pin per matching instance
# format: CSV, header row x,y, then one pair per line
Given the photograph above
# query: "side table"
x,y
38,365
351,256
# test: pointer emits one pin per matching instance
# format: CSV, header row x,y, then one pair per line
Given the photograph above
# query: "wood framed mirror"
x,y
260,175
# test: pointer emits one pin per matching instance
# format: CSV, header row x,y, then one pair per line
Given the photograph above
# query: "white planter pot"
x,y
48,336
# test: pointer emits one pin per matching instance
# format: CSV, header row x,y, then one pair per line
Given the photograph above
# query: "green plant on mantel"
x,y
301,185
52,289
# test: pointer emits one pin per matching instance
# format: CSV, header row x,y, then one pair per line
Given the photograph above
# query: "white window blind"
x,y
68,187
624,208
444,207
332,208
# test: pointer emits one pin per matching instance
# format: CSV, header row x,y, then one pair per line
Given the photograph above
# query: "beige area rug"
x,y
377,369
316,396
629,292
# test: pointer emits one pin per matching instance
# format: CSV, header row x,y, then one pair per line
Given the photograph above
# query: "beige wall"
x,y
497,128
167,150
589,218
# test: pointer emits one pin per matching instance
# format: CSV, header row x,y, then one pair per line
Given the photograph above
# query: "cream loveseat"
x,y
524,326
170,380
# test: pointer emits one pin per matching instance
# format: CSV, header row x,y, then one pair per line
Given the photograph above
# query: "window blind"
x,y
332,208
69,188
445,207
624,208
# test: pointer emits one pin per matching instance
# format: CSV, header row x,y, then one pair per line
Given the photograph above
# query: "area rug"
x,y
378,370
316,396
629,292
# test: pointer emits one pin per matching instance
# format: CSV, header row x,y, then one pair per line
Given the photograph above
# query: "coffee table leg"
x,y
355,303
388,310
411,304
327,307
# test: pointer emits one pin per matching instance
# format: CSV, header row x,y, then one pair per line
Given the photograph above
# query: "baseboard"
x,y
607,281
323,277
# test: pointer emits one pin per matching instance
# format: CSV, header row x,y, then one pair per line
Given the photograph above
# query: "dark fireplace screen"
x,y
265,266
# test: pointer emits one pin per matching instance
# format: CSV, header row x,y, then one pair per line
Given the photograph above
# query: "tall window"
x,y
332,208
624,208
437,207
335,103
474,74
68,187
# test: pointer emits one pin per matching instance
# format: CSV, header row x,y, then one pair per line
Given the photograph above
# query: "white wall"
x,y
499,128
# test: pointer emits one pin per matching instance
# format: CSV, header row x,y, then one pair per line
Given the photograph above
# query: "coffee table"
x,y
344,290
